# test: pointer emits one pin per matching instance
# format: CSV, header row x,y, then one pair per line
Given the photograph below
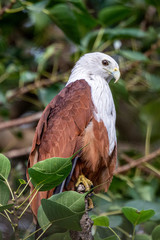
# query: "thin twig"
x,y
137,162
144,167
5,8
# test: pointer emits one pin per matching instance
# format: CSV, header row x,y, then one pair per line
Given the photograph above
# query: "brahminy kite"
x,y
82,114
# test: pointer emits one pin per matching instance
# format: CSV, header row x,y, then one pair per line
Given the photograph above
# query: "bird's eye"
x,y
105,62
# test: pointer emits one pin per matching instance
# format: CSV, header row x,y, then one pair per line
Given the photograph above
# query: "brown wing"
x,y
61,127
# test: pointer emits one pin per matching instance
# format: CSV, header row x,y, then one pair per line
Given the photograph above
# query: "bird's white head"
x,y
98,64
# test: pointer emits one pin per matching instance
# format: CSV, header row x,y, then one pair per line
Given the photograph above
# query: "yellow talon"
x,y
90,204
85,181
87,184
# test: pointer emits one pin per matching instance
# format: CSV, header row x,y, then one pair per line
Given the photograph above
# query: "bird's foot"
x,y
87,185
85,181
90,204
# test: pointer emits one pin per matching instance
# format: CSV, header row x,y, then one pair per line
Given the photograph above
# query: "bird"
x,y
83,116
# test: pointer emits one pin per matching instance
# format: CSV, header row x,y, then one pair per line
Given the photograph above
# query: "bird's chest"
x,y
105,110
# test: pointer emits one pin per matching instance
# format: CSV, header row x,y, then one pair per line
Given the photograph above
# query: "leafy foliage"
x,y
39,44
50,173
63,210
136,217
5,167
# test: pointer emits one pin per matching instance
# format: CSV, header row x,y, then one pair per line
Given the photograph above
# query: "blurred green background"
x,y
39,43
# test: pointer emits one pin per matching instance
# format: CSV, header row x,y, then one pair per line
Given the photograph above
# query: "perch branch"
x,y
86,222
20,121
137,162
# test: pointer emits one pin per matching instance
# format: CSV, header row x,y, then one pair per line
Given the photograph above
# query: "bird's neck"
x,y
77,74
104,107
102,100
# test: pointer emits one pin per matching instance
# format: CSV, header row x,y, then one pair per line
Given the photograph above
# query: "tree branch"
x,y
20,121
86,222
137,162
32,86
18,152
143,168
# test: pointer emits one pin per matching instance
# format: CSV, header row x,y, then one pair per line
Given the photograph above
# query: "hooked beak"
x,y
116,74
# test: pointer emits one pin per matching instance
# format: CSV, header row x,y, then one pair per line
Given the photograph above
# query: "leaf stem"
x,y
9,219
4,216
134,230
115,212
148,137
28,204
32,233
13,198
26,199
98,39
44,231
14,10
18,188
24,188
123,231
114,233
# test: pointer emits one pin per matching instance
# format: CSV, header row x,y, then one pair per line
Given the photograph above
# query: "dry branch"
x,y
143,168
137,162
20,121
32,86
18,152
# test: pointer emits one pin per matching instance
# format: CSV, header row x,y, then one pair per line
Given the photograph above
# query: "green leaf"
x,y
4,207
26,77
43,57
12,68
85,21
133,55
136,217
116,33
64,209
2,98
65,19
114,14
119,91
22,181
79,4
149,112
50,173
44,222
142,237
37,7
125,33
145,205
153,81
156,233
115,221
101,221
47,94
60,236
5,167
4,193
